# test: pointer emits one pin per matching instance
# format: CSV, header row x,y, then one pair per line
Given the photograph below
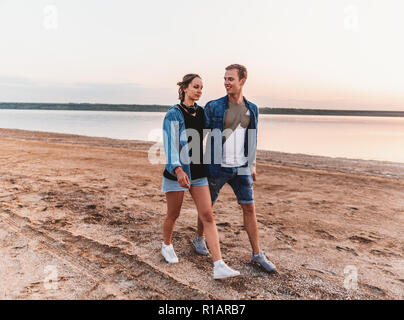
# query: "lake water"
x,y
373,138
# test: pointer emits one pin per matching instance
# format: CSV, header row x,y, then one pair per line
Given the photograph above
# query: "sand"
x,y
87,213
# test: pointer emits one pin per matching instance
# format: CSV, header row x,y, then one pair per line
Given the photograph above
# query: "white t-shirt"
x,y
233,148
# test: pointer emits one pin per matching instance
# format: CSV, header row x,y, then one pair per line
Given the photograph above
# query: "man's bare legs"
x,y
250,224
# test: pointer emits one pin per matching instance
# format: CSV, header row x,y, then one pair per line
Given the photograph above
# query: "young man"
x,y
231,150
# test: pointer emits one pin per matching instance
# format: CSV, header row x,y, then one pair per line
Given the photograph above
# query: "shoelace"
x,y
200,241
222,265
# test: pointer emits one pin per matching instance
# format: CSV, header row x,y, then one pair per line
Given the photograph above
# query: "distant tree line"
x,y
327,112
162,108
84,107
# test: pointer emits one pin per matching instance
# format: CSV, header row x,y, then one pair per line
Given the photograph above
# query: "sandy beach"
x,y
87,213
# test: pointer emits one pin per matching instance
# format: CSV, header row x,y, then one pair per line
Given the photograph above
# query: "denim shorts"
x,y
171,185
242,185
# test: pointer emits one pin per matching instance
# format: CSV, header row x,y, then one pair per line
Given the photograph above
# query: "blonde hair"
x,y
242,71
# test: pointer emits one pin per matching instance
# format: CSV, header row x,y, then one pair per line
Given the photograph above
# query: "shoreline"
x,y
164,108
379,168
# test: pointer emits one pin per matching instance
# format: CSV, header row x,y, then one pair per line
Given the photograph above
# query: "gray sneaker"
x,y
200,246
262,260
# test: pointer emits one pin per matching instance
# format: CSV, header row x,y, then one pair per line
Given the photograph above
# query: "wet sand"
x,y
87,212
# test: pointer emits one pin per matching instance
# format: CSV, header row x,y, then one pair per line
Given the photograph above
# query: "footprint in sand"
x,y
7,197
347,249
286,238
325,235
388,272
223,224
375,289
384,253
274,187
360,239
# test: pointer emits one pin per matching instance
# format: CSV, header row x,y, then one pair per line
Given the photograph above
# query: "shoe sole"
x,y
171,262
262,268
201,253
225,277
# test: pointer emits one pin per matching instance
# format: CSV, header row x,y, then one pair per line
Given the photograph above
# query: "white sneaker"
x,y
223,271
169,253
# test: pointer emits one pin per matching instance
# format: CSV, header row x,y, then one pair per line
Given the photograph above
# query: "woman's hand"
x,y
182,178
253,173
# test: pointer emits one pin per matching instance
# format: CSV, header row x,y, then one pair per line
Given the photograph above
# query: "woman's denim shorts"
x,y
171,185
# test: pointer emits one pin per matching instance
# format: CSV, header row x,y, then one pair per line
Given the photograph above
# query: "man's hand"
x,y
253,173
182,178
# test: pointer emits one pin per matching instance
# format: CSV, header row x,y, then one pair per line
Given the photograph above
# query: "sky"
x,y
344,54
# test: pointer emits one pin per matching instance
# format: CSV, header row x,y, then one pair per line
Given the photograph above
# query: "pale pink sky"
x,y
313,53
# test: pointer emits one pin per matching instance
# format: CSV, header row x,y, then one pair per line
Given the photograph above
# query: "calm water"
x,y
375,138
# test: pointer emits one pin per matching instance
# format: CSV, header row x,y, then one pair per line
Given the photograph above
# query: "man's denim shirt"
x,y
175,139
214,114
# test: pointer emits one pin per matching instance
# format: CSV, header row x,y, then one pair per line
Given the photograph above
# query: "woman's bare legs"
x,y
199,231
174,203
201,196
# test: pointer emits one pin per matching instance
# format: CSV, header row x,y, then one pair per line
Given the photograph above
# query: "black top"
x,y
197,123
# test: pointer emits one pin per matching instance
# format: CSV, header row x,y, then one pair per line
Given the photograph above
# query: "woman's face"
x,y
194,90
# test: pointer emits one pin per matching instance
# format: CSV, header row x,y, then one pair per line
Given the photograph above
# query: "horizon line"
x,y
163,105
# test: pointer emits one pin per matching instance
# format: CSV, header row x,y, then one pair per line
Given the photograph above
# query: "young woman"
x,y
184,170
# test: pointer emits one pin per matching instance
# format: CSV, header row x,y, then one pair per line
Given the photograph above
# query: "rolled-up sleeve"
x,y
254,163
171,135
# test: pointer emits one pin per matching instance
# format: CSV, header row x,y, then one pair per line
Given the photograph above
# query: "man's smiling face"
x,y
232,82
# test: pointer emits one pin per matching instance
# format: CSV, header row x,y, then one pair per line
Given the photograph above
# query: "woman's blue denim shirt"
x,y
176,141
